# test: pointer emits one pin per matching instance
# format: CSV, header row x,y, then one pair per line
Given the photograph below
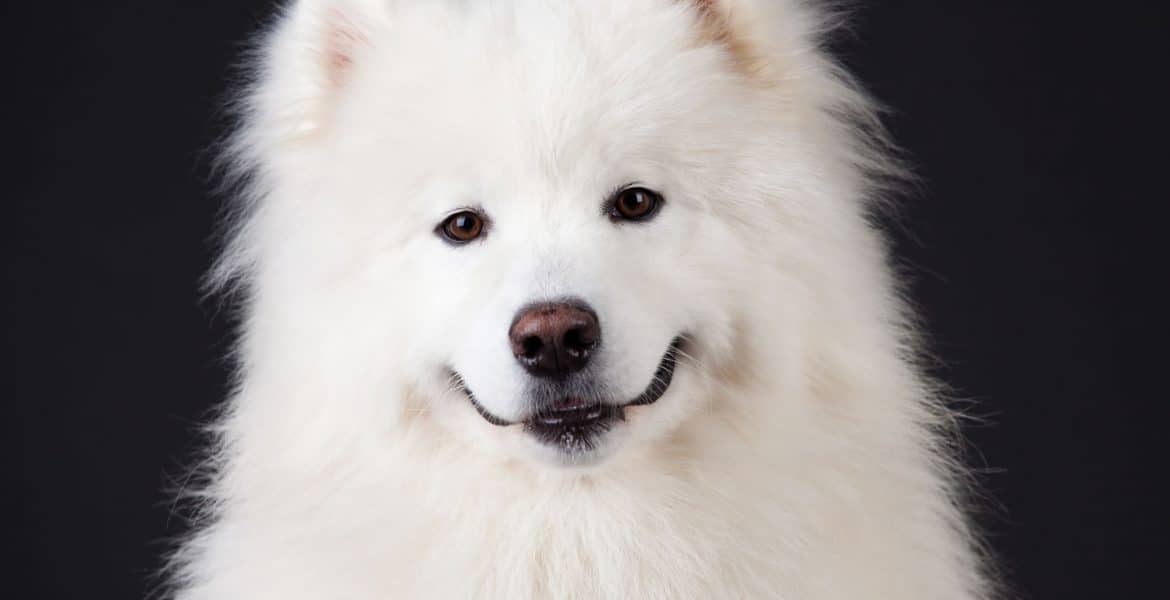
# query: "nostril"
x,y
578,341
530,347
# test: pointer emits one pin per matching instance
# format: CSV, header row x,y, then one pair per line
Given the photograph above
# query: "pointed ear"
x,y
714,17
730,23
308,60
343,39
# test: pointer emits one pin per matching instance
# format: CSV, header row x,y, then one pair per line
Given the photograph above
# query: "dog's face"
x,y
539,219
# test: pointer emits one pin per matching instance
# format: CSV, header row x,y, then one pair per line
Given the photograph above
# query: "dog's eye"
x,y
634,204
462,227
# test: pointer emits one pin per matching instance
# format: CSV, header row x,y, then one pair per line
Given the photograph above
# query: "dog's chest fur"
x,y
711,530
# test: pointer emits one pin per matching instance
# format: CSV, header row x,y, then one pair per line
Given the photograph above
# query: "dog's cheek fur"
x,y
805,456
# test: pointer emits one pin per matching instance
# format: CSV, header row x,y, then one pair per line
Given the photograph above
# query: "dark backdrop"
x,y
1031,124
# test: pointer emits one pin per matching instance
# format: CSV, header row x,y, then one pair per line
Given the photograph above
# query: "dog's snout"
x,y
555,339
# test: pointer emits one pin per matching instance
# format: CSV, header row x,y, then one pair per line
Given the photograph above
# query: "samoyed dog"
x,y
569,299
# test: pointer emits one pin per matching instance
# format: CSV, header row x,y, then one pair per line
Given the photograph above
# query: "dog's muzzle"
x,y
574,421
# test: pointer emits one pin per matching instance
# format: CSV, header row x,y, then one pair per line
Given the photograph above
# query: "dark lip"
x,y
594,416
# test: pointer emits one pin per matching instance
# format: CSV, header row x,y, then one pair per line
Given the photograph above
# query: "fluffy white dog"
x,y
569,299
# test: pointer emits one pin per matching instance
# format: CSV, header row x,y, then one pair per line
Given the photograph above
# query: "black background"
x,y
1031,123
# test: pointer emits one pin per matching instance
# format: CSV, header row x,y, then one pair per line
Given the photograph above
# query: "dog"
x,y
569,299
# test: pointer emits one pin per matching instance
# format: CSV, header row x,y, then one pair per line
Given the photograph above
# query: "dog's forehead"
x,y
555,84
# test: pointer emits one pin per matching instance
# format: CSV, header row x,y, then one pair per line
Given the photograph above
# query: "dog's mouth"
x,y
574,424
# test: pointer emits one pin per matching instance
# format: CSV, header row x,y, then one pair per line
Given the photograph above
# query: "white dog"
x,y
569,299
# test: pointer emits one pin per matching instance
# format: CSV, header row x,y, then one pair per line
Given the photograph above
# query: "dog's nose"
x,y
555,339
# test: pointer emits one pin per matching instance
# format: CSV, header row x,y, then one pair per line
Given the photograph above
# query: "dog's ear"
x,y
736,25
310,58
344,38
715,15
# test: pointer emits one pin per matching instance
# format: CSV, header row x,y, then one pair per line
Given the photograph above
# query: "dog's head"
x,y
538,224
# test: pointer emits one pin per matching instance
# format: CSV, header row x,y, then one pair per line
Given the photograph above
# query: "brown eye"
x,y
635,204
462,227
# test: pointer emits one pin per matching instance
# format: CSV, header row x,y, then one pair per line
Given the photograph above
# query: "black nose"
x,y
555,339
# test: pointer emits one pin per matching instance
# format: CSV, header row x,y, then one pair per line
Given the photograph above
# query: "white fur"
x,y
798,453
